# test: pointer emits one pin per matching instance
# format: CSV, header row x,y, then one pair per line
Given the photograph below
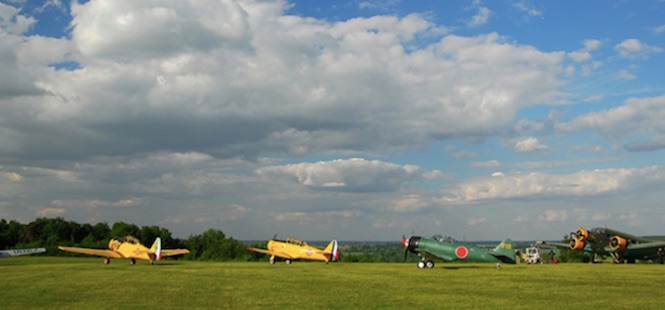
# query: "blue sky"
x,y
354,120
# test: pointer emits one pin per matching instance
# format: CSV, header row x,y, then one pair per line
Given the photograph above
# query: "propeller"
x,y
410,245
405,244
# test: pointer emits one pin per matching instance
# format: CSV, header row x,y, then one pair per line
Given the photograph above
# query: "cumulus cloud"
x,y
585,53
528,145
350,175
638,119
633,48
526,8
537,184
193,75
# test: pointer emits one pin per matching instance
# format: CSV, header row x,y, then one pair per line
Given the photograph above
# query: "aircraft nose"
x,y
411,244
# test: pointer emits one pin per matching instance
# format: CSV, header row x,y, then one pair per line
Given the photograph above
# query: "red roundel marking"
x,y
461,252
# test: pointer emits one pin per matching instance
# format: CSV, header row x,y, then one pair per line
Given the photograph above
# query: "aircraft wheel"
x,y
421,265
272,262
107,261
288,262
132,261
429,264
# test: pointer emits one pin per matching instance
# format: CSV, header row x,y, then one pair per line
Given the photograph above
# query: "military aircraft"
x,y
606,242
293,248
18,252
130,248
449,250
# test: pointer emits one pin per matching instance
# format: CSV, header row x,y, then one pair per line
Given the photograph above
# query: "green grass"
x,y
76,283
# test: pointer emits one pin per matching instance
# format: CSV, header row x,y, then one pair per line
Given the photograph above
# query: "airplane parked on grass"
x,y
129,248
293,248
449,250
605,242
18,252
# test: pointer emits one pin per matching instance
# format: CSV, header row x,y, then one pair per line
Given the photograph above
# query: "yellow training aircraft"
x,y
292,248
128,247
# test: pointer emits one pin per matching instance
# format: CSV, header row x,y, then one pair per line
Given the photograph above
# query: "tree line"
x,y
49,233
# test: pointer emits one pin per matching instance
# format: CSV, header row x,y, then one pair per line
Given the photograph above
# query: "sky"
x,y
352,120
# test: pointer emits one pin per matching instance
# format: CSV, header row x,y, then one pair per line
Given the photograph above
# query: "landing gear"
x,y
107,261
132,261
288,261
423,264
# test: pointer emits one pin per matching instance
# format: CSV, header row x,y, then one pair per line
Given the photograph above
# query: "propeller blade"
x,y
405,244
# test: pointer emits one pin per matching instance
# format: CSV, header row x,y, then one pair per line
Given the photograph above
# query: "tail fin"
x,y
157,248
504,251
332,250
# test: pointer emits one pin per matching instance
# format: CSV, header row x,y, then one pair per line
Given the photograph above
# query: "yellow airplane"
x,y
292,248
128,247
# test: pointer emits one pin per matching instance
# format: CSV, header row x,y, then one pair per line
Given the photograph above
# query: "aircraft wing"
x,y
429,255
263,251
640,250
17,252
556,244
95,252
174,252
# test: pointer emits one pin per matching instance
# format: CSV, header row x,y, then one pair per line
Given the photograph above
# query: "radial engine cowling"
x,y
581,234
576,244
617,243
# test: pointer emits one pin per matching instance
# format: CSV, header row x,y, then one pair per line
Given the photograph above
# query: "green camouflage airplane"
x,y
449,250
605,242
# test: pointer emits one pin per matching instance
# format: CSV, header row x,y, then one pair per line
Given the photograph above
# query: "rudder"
x,y
504,251
333,250
157,248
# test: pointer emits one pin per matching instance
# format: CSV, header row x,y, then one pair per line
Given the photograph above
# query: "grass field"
x,y
85,283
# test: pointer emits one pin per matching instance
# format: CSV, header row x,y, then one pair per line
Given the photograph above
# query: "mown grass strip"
x,y
50,282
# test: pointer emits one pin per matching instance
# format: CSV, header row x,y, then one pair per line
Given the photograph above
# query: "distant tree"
x,y
9,233
121,229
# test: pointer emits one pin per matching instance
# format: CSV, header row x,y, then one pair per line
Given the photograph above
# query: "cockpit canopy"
x,y
296,241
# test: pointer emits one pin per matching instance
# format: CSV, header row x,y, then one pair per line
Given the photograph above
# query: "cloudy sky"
x,y
354,120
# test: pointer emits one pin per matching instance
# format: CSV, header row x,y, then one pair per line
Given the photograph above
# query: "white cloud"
x,y
632,48
529,144
12,22
192,70
526,8
521,219
639,119
475,221
554,216
481,18
410,203
660,29
349,175
486,164
585,53
536,184
625,75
